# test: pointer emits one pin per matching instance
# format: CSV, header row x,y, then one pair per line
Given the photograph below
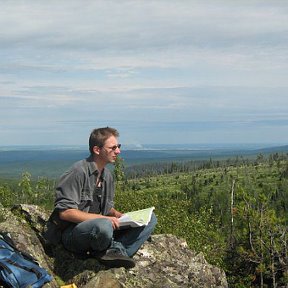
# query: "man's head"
x,y
103,142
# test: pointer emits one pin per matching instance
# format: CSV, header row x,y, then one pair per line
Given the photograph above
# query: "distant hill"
x,y
279,149
52,162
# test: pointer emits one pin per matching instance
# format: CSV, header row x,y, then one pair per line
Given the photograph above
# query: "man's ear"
x,y
96,150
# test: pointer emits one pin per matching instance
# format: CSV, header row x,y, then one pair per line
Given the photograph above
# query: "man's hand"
x,y
115,222
115,213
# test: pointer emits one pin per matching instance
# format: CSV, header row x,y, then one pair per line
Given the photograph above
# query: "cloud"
x,y
138,63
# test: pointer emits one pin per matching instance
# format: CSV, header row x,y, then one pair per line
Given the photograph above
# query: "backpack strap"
x,y
37,273
6,237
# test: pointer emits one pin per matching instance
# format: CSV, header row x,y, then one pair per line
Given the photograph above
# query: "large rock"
x,y
165,261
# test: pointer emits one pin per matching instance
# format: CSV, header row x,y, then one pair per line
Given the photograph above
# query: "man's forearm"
x,y
77,216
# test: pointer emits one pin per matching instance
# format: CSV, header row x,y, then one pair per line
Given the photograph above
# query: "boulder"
x,y
165,261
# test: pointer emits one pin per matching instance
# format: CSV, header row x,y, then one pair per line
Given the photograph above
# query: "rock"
x,y
165,261
24,236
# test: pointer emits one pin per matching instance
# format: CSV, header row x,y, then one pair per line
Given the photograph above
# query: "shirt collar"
x,y
92,168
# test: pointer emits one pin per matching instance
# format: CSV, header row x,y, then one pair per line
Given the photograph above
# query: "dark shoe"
x,y
113,258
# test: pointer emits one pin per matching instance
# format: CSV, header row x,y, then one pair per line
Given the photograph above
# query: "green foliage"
x,y
27,191
119,169
235,211
246,236
25,186
7,195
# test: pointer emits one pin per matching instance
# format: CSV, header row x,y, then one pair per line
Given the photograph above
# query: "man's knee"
x,y
101,234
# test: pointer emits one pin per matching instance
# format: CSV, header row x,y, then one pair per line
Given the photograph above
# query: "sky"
x,y
160,71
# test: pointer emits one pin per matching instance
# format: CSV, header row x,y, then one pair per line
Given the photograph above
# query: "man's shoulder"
x,y
80,164
78,167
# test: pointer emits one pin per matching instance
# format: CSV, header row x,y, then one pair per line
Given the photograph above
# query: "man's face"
x,y
110,150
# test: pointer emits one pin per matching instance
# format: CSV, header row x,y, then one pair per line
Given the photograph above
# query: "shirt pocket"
x,y
87,194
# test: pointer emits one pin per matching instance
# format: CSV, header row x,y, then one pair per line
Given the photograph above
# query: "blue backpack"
x,y
18,269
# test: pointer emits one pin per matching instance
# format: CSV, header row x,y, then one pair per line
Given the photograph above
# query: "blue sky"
x,y
158,71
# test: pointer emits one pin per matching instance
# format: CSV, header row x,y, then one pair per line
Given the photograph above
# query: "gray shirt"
x,y
77,187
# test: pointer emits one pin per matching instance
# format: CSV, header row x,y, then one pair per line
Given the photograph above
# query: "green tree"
x,y
26,191
258,239
119,172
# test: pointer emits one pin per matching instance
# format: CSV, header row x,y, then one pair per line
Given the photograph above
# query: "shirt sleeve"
x,y
68,190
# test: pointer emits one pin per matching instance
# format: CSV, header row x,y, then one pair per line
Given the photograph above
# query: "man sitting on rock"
x,y
85,210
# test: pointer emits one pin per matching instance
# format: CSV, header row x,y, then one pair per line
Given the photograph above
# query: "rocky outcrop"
x,y
165,261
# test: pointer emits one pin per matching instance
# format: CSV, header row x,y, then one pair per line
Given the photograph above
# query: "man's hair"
x,y
99,136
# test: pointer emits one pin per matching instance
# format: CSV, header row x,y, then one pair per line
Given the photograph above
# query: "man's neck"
x,y
100,164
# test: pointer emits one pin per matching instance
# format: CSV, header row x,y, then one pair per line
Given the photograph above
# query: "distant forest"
x,y
53,161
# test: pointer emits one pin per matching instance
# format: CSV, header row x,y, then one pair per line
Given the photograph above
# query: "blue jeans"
x,y
97,235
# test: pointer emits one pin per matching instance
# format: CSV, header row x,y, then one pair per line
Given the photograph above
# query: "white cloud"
x,y
139,61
